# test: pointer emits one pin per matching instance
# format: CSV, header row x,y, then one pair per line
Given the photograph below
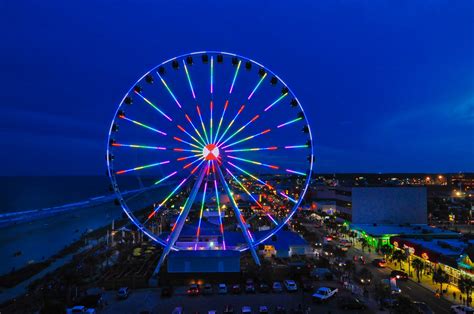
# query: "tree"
x,y
399,256
466,285
418,266
386,250
363,243
440,276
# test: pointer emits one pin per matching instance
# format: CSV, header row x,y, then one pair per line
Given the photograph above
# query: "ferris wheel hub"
x,y
211,152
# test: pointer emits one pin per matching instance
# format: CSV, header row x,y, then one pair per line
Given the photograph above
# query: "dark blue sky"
x,y
387,85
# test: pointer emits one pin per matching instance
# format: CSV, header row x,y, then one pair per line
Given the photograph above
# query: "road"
x,y
410,288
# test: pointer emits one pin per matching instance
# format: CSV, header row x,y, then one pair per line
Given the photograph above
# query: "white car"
x,y
263,309
277,287
222,288
462,309
80,309
290,285
324,294
246,310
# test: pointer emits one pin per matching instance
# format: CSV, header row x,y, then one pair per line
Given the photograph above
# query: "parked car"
x,y
264,287
249,286
379,262
80,309
290,285
323,294
263,309
400,275
246,309
222,288
193,290
351,303
166,291
277,287
228,309
123,293
236,289
207,289
462,309
364,276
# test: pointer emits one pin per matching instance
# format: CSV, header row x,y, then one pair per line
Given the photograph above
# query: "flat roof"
x,y
393,229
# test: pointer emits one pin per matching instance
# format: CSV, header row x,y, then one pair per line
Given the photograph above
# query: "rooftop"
x,y
393,229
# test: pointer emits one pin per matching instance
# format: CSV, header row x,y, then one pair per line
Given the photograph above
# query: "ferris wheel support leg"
x,y
181,220
237,213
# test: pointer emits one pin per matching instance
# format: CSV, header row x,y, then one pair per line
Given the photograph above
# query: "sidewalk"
x,y
425,280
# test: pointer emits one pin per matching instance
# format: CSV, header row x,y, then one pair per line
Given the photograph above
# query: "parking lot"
x,y
150,300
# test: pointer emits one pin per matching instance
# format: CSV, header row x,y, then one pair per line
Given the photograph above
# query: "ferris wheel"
x,y
209,151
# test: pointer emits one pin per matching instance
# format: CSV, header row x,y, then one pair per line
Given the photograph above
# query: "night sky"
x,y
388,86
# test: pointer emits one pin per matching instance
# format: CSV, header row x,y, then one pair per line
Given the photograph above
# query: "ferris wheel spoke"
x,y
203,201
192,137
221,119
257,86
261,181
221,225
211,122
194,127
212,76
252,197
231,123
235,77
289,122
253,149
169,90
189,157
143,167
240,218
189,79
246,139
178,225
275,102
143,125
202,123
153,105
239,130
186,142
139,146
266,165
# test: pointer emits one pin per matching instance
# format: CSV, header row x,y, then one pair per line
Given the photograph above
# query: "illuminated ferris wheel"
x,y
209,151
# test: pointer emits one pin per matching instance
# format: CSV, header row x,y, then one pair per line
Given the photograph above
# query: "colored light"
x,y
188,157
222,118
251,196
142,125
167,198
239,130
247,138
253,162
143,167
295,172
183,141
139,146
202,124
231,123
257,86
219,209
296,146
195,129
192,137
291,199
212,75
276,101
189,79
235,77
200,213
211,105
166,178
251,149
289,122
169,90
186,150
154,106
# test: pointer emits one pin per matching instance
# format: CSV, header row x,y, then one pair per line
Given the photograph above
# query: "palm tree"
x,y
399,256
466,285
386,250
418,266
363,243
440,277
